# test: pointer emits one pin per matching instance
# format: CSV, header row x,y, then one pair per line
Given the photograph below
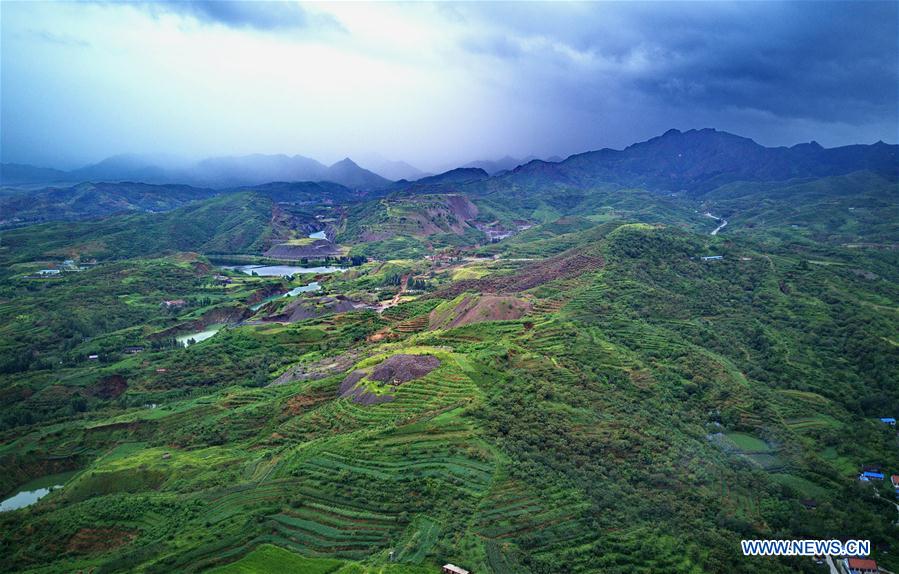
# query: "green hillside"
x,y
575,380
858,208
92,200
644,412
234,223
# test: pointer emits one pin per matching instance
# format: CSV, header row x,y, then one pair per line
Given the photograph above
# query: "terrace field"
x,y
587,395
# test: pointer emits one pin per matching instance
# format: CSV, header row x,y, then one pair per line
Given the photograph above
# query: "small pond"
x,y
314,286
31,492
282,270
197,336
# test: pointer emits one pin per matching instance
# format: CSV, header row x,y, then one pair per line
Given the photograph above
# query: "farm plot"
x,y
356,494
439,390
268,558
514,513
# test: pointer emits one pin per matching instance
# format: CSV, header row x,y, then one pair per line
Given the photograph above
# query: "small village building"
x,y
174,303
862,566
93,357
712,257
166,456
895,480
222,279
133,350
48,272
809,503
888,421
868,476
453,569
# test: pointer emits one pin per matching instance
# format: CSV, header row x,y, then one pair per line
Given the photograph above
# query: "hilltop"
x,y
553,369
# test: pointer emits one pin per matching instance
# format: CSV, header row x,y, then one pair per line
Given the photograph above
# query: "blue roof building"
x,y
888,420
869,475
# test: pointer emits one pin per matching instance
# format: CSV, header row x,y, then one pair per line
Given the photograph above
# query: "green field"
x,y
605,400
268,559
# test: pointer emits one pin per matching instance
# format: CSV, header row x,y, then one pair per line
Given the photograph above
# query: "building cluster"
x,y
874,472
69,265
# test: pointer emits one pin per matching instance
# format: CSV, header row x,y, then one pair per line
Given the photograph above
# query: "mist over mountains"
x,y
692,160
215,172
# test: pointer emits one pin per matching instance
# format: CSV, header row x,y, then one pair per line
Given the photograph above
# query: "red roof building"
x,y
895,480
862,566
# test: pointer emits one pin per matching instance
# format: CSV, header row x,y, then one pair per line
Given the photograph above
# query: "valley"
x,y
561,367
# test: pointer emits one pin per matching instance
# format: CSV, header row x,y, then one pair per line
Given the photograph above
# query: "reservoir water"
x,y
184,340
31,492
282,270
314,286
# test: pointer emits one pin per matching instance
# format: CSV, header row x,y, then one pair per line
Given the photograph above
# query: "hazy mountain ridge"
x,y
389,169
87,200
697,161
216,172
506,163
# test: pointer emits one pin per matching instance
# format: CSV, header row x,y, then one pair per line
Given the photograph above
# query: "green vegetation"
x,y
234,223
268,559
605,400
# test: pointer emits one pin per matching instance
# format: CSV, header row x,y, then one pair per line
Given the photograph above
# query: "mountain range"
x,y
693,161
506,163
697,161
216,172
563,367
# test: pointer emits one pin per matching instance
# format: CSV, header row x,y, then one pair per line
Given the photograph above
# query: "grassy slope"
x,y
860,207
91,200
650,412
234,223
405,226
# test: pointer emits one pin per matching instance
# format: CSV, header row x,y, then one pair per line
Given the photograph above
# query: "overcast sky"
x,y
436,84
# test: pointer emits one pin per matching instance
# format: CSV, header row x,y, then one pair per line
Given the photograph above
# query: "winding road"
x,y
720,226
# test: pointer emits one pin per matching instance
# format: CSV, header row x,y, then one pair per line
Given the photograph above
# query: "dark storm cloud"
x,y
826,61
837,62
243,14
489,79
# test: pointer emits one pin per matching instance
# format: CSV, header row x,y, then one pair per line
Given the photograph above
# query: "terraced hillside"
x,y
407,224
584,412
610,388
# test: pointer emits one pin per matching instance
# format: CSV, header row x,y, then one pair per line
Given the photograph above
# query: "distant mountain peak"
x,y
457,175
812,145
